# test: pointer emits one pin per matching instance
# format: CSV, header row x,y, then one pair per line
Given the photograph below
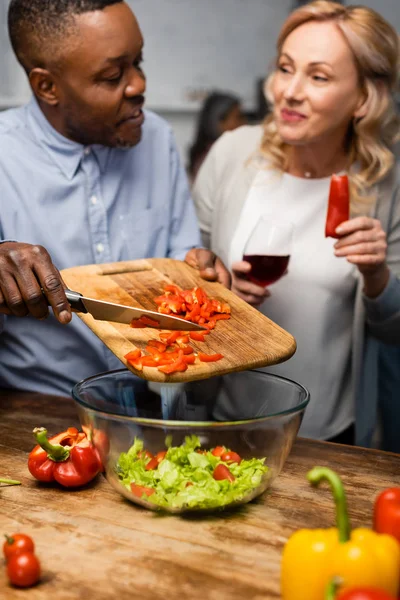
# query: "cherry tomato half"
x,y
222,472
231,457
23,570
16,544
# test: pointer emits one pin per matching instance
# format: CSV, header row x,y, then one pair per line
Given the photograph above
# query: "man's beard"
x,y
87,133
124,144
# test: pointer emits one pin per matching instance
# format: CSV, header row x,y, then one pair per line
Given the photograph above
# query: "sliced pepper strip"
x,y
209,357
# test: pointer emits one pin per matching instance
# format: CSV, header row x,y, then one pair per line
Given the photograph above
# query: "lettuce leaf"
x,y
184,478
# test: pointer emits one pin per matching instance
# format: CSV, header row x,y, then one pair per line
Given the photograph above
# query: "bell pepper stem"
x,y
315,476
55,452
10,481
332,589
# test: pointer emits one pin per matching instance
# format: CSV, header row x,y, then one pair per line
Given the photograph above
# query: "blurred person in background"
x,y
220,112
332,93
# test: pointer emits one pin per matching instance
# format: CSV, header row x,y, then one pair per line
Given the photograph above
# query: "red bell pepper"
x,y
68,458
338,204
361,593
387,512
365,594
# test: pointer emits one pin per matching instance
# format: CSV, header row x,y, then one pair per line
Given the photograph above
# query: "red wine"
x,y
266,269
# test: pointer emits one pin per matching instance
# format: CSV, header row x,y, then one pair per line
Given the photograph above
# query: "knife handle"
x,y
74,298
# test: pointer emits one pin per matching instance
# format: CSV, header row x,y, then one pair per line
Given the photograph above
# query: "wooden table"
x,y
93,544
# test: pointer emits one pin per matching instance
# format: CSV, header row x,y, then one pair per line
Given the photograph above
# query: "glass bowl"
x,y
251,413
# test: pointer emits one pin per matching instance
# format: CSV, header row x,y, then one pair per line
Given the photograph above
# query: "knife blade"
x,y
118,313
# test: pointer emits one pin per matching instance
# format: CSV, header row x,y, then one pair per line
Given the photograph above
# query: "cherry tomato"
x,y
218,451
222,472
23,570
231,457
16,544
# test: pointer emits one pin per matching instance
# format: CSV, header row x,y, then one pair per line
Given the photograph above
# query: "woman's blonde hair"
x,y
375,47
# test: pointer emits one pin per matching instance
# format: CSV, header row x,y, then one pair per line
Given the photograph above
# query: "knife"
x,y
107,311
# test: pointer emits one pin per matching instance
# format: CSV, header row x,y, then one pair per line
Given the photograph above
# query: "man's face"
x,y
101,83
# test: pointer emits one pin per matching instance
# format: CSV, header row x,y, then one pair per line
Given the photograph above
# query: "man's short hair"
x,y
36,27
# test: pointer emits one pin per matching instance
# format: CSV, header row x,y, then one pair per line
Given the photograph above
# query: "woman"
x,y
220,112
333,112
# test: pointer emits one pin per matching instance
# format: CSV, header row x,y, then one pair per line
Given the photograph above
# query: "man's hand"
x,y
250,292
209,265
29,283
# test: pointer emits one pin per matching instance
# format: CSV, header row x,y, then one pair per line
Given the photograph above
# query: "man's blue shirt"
x,y
84,205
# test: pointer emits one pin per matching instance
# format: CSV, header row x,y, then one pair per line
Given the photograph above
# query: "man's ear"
x,y
44,86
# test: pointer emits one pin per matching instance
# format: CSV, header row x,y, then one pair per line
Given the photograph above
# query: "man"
x,y
86,176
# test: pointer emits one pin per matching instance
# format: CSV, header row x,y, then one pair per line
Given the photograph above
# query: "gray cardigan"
x,y
220,191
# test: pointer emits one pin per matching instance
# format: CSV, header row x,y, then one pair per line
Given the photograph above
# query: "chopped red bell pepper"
x,y
198,336
68,458
133,355
193,305
149,361
210,357
338,204
139,490
189,359
387,512
152,464
144,321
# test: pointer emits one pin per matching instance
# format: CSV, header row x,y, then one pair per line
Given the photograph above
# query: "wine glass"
x,y
268,250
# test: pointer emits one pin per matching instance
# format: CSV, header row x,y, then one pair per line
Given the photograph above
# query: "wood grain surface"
x,y
93,544
248,340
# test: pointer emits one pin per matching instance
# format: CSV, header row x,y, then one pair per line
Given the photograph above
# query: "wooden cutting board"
x,y
248,340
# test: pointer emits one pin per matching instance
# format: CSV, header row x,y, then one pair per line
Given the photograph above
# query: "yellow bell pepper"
x,y
312,558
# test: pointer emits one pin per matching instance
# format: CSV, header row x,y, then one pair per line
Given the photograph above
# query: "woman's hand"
x,y
209,265
363,243
248,291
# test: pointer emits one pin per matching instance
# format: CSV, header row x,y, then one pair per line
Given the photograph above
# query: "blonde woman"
x,y
333,111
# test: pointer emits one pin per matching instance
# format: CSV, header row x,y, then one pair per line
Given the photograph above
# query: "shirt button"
x,y
99,248
86,151
93,200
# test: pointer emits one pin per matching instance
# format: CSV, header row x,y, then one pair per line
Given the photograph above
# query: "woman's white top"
x,y
314,301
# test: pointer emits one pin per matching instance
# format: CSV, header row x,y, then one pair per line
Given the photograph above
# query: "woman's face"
x,y
315,88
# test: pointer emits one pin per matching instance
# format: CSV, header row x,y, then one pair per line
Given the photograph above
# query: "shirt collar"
x,y
66,153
